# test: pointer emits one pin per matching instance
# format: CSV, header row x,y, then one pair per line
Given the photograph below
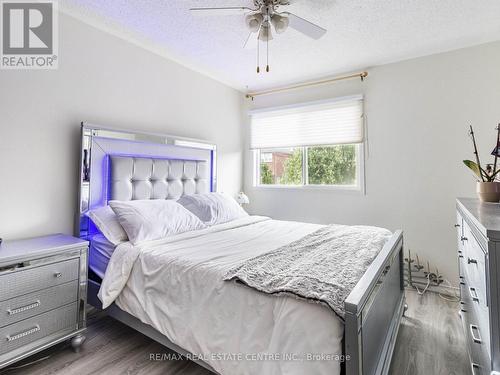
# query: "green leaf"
x,y
474,167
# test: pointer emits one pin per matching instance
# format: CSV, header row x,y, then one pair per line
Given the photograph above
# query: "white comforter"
x,y
176,286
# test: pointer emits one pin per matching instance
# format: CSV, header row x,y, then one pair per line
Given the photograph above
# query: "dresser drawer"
x,y
36,328
465,301
477,313
459,228
24,281
480,319
474,267
476,346
28,305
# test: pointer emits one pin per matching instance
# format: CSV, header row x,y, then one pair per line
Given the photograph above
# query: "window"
x,y
281,166
316,144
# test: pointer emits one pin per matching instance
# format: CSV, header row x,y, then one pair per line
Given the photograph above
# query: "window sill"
x,y
336,188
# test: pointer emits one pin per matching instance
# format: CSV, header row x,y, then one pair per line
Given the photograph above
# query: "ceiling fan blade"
x,y
252,40
228,11
304,26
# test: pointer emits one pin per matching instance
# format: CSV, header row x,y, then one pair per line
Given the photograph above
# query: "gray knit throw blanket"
x,y
322,267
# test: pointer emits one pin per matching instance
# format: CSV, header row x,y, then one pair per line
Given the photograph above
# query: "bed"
x,y
173,290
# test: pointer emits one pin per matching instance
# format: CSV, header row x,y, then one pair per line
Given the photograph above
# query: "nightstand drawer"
x,y
27,331
24,281
28,305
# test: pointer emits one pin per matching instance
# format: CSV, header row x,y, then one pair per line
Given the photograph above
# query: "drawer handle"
x,y
473,328
386,269
471,260
457,225
23,334
58,275
475,368
463,238
18,310
473,294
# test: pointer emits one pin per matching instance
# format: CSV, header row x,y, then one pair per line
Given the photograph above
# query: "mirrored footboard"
x,y
373,312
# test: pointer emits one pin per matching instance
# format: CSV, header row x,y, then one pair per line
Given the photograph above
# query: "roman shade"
x,y
333,122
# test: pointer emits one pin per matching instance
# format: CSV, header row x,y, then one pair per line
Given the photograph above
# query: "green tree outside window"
x,y
328,165
266,176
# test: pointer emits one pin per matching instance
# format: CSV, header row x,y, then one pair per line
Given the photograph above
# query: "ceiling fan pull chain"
x,y
267,57
258,57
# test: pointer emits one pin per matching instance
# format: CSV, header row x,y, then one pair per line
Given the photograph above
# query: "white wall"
x,y
418,114
104,80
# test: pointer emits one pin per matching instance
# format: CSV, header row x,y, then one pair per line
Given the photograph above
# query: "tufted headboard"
x,y
133,178
125,165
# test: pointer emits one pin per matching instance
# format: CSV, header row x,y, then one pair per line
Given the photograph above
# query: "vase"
x,y
488,191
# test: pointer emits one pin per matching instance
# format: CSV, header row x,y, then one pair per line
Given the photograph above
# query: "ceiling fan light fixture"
x,y
265,33
254,21
262,18
280,23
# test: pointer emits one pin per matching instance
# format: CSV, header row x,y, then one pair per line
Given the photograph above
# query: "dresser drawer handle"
x,y
471,261
386,269
463,238
18,310
473,294
473,328
23,334
58,275
475,368
457,225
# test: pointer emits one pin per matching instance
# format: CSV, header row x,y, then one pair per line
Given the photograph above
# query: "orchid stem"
x,y
496,153
477,154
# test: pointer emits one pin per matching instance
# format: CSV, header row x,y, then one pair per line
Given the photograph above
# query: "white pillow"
x,y
148,220
213,208
107,222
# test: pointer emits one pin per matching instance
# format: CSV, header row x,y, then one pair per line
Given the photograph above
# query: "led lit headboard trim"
x,y
100,145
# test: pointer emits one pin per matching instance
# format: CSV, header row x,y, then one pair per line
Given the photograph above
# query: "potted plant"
x,y
487,188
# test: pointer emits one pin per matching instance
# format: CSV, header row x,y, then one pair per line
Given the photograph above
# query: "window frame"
x,y
359,187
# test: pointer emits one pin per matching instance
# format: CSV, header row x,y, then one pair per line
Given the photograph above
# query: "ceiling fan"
x,y
262,18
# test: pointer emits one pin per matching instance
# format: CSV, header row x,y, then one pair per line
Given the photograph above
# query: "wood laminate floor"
x,y
430,342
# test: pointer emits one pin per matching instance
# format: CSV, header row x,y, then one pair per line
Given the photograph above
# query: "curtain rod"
x,y
252,95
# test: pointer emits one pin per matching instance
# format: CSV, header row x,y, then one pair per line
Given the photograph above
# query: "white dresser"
x,y
43,292
478,231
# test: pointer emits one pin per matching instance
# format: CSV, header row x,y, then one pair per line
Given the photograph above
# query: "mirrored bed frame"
x,y
373,310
